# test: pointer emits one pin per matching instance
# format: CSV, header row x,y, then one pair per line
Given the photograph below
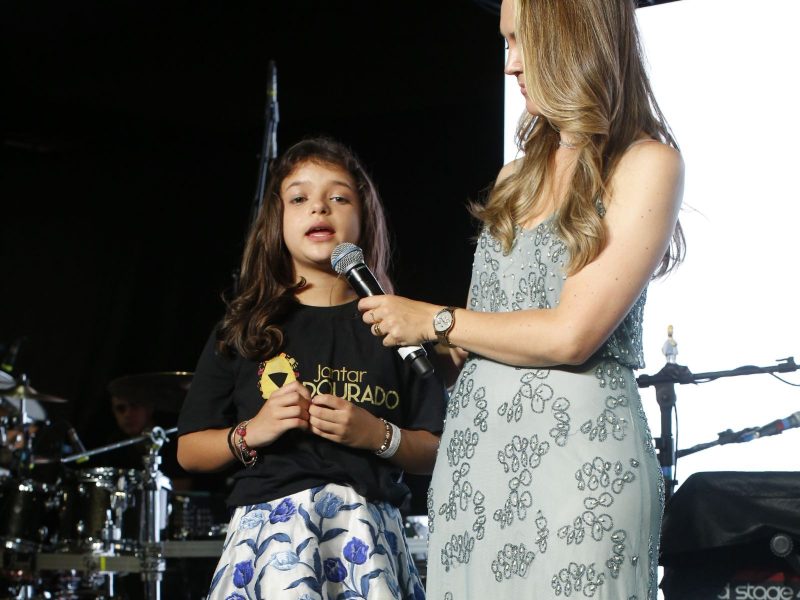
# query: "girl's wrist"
x,y
378,434
247,454
391,440
255,437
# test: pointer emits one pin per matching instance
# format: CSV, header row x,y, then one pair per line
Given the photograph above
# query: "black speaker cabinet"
x,y
733,536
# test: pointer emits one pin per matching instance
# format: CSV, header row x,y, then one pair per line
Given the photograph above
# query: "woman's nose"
x,y
513,64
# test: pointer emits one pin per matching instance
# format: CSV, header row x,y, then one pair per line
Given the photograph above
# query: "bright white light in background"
x,y
725,75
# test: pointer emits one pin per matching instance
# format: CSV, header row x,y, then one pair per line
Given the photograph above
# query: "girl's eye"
x,y
297,200
341,199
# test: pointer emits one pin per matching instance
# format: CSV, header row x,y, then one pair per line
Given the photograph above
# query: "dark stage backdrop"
x,y
131,136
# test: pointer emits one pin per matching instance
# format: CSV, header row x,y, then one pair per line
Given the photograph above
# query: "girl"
x,y
293,386
546,484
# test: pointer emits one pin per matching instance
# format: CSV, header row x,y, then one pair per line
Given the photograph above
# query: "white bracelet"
x,y
394,442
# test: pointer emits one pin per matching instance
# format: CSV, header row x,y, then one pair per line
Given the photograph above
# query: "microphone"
x,y
74,440
773,428
348,260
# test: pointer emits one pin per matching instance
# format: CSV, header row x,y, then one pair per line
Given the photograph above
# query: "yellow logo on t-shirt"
x,y
275,373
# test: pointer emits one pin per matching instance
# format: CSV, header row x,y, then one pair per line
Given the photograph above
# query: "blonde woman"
x,y
546,483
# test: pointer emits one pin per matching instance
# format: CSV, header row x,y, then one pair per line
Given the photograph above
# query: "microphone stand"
x,y
664,382
269,143
269,151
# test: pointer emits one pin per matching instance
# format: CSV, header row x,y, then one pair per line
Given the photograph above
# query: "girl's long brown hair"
x,y
267,283
584,68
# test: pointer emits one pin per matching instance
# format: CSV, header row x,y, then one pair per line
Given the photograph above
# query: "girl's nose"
x,y
319,206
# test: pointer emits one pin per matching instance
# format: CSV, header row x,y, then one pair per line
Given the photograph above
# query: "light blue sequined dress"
x,y
546,484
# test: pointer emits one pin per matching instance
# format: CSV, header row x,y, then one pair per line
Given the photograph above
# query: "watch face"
x,y
443,320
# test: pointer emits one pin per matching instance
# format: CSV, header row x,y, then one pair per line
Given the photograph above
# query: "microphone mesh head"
x,y
345,256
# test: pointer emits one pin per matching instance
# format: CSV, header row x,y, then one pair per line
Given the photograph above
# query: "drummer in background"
x,y
134,417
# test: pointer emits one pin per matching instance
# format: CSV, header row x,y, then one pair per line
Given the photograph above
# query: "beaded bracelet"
x,y
247,455
387,437
389,447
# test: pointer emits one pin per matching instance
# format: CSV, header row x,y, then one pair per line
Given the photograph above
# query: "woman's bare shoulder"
x,y
648,171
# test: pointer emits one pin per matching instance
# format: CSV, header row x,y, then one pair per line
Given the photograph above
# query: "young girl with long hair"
x,y
546,483
322,419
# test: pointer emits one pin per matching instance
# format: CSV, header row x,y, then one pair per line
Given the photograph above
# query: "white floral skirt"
x,y
325,543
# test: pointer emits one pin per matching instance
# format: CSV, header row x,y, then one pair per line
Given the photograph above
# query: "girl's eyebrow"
x,y
334,181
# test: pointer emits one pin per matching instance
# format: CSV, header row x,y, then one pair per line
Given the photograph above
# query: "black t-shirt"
x,y
331,351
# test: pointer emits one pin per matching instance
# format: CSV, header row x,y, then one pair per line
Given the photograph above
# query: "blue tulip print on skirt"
x,y
326,543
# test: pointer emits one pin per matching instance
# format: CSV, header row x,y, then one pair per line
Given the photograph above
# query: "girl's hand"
x,y
287,408
343,422
400,321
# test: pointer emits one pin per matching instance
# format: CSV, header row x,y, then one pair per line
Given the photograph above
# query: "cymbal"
x,y
13,405
7,381
15,394
165,390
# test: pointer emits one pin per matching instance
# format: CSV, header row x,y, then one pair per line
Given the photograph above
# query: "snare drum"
x,y
99,507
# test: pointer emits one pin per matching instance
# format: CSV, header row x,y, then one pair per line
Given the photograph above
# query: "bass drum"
x,y
26,519
99,508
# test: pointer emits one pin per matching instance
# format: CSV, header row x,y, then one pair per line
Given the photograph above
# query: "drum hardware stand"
x,y
23,464
24,460
664,382
155,488
153,513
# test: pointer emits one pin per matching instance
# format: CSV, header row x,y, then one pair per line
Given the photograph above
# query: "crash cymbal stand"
x,y
25,452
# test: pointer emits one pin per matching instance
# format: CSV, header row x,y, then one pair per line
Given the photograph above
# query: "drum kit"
x,y
69,533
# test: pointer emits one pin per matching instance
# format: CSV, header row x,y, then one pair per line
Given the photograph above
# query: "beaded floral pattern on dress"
x,y
540,471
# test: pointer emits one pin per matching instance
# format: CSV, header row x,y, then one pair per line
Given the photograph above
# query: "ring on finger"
x,y
377,328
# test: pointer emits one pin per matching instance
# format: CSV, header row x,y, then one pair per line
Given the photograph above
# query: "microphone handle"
x,y
364,283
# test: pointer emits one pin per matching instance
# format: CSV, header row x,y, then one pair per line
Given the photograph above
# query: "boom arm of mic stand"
x,y
680,374
726,437
664,382
157,435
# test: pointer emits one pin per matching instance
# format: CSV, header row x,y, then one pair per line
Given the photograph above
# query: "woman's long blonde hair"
x,y
584,69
